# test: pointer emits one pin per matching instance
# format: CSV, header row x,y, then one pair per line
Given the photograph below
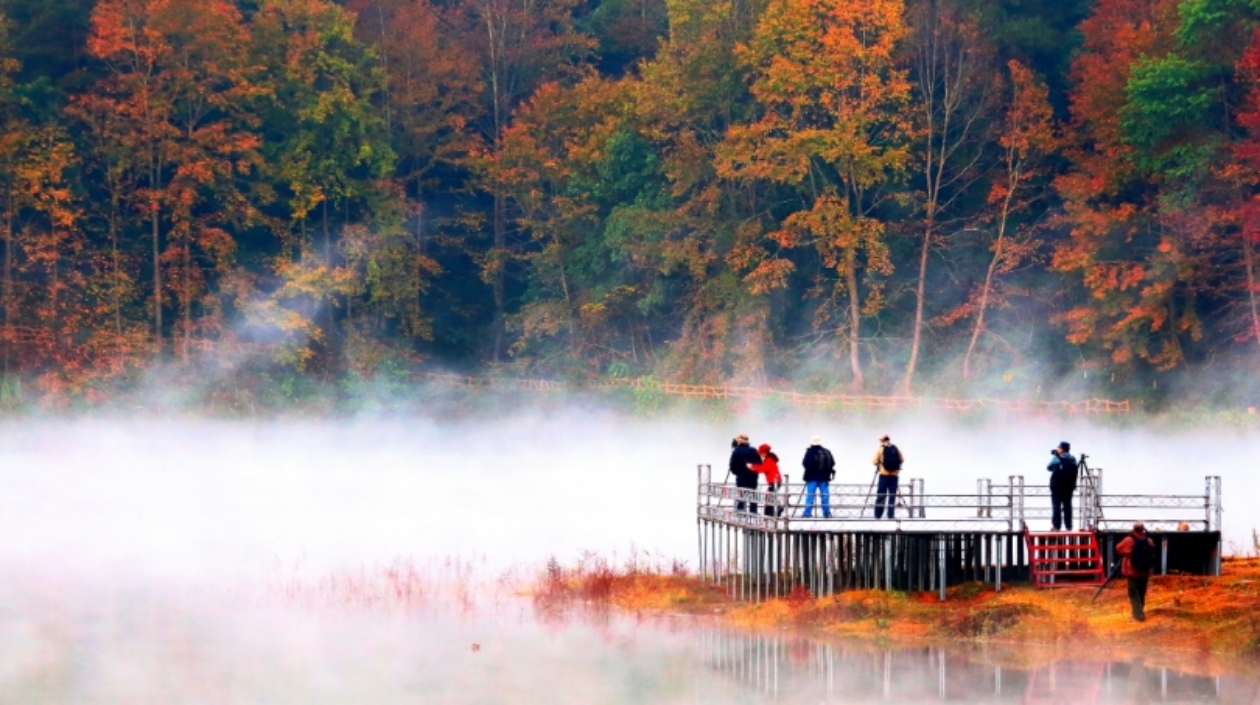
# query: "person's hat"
x,y
884,438
742,438
763,448
815,441
1065,445
1139,528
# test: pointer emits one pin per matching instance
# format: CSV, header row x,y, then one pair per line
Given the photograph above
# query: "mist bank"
x,y
253,388
200,499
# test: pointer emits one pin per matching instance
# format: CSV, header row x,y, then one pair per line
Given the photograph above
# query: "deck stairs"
x,y
1065,559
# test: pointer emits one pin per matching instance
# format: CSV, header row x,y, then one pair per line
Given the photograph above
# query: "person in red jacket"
x,y
1138,553
769,466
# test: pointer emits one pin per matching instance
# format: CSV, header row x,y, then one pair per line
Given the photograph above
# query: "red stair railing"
x,y
1065,559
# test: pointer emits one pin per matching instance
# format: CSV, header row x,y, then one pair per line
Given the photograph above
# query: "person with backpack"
x,y
1062,469
742,457
768,466
888,462
1137,551
820,470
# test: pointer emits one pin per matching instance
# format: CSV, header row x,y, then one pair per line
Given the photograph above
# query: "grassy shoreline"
x,y
1216,619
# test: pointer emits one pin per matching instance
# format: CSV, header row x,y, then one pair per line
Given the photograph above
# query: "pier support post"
x,y
940,565
888,562
997,585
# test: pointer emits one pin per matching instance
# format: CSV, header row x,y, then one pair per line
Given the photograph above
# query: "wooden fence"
x,y
793,398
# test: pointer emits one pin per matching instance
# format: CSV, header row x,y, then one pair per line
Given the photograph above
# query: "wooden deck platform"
x,y
934,542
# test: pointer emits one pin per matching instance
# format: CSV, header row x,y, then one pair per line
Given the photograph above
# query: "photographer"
x,y
742,456
1062,469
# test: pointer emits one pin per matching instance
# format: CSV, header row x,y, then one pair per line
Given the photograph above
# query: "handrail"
x,y
1000,503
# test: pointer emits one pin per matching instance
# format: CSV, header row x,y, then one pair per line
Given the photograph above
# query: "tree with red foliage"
x,y
1245,173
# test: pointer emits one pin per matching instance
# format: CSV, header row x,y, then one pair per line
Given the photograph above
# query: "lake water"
x,y
145,647
152,561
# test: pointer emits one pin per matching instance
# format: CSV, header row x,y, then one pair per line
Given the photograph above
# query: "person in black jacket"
x,y
1062,469
742,456
820,470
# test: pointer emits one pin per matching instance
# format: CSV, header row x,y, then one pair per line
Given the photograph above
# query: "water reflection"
x,y
792,668
61,643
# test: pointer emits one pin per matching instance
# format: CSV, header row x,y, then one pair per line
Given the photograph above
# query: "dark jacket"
x,y
813,463
743,455
1062,479
1125,549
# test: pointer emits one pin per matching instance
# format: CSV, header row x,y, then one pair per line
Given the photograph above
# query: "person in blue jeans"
x,y
820,470
888,461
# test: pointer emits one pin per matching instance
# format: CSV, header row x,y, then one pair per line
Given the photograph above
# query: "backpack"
x,y
892,458
1069,467
826,462
1142,558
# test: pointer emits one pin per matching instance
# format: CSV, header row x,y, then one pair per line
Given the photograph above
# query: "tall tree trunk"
x,y
920,296
327,237
8,283
54,290
855,317
989,275
498,99
186,303
1249,259
500,264
157,278
113,250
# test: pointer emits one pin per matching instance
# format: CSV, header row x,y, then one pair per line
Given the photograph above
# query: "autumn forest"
x,y
977,197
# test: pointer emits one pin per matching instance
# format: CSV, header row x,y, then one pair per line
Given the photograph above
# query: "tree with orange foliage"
x,y
179,78
431,85
53,263
832,127
14,139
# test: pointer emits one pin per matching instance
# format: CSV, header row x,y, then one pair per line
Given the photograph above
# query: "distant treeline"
x,y
884,195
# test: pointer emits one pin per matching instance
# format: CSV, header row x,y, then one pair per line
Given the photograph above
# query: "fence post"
x,y
1087,498
699,523
1098,498
1010,504
1217,526
1216,505
1023,525
1207,502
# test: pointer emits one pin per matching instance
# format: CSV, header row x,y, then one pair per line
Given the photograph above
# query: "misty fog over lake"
x,y
136,554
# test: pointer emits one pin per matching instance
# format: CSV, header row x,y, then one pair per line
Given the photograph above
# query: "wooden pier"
x,y
937,540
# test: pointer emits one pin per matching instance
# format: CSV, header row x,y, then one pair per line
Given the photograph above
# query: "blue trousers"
x,y
824,489
886,495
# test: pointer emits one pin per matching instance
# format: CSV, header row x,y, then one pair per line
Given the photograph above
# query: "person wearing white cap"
x,y
820,468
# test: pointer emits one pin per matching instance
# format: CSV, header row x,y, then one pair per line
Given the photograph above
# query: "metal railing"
x,y
991,507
